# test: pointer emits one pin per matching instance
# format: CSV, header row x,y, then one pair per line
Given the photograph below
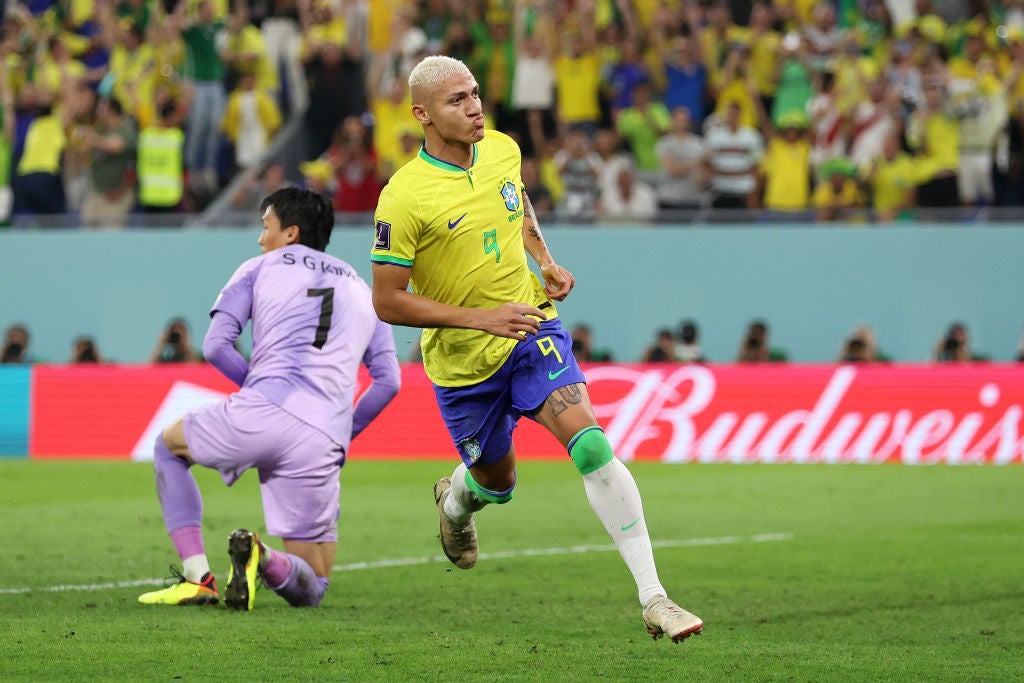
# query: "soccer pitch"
x,y
808,573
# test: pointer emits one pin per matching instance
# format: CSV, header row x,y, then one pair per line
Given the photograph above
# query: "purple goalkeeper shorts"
x,y
481,417
298,465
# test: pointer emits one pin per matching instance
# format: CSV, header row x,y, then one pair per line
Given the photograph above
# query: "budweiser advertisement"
x,y
910,414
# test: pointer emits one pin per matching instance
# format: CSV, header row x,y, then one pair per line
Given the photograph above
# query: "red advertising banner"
x,y
108,411
911,414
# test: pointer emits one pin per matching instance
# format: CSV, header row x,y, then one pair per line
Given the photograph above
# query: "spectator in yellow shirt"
x,y
838,195
935,138
38,185
892,178
785,171
765,52
246,52
250,121
730,86
578,78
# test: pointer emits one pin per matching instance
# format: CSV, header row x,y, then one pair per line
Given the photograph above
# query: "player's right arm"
x,y
228,317
395,304
219,347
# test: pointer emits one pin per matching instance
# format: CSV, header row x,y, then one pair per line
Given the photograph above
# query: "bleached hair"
x,y
436,68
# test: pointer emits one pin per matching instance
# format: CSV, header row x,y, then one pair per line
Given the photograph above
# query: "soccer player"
x,y
312,324
455,223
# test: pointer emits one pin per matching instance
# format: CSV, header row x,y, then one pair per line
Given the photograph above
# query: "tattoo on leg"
x,y
563,398
571,394
557,405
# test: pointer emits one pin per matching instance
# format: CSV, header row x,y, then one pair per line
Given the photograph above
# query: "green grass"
x,y
891,573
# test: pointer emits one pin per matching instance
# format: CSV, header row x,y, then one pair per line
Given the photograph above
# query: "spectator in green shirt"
x,y
112,143
205,71
641,125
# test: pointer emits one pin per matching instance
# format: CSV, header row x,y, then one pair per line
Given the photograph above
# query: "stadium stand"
x,y
904,110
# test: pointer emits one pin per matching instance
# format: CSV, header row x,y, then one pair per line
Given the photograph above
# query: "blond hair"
x,y
436,68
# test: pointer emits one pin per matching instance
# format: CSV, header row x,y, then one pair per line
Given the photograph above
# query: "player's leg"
x,y
615,499
610,488
549,377
182,508
230,437
465,492
300,573
480,422
300,492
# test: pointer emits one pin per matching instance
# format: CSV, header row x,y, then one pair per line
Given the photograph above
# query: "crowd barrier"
x,y
909,414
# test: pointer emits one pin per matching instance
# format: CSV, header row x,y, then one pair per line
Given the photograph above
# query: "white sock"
x,y
461,503
196,567
613,495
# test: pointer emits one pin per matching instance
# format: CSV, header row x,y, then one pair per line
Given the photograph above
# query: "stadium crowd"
x,y
626,110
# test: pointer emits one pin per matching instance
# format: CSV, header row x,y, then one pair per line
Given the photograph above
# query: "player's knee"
x,y
162,454
590,450
488,495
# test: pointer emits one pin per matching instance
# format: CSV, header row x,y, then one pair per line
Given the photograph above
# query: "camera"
x,y
688,332
951,345
174,337
753,343
87,353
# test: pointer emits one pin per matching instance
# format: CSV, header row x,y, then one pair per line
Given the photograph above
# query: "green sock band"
x,y
487,495
590,450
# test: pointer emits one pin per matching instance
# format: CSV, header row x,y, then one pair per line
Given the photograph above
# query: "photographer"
x,y
583,348
84,350
15,349
862,347
955,346
174,344
755,346
688,343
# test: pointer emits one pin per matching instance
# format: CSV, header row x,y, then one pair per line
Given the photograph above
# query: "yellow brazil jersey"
x,y
787,166
579,80
940,144
765,49
825,196
135,73
44,145
460,232
892,182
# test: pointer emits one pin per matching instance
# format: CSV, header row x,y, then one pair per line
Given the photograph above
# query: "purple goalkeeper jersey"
x,y
312,323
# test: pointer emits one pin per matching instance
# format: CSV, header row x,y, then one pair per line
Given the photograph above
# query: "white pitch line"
x,y
412,561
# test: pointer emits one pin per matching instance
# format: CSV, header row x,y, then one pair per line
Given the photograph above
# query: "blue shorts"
x,y
480,417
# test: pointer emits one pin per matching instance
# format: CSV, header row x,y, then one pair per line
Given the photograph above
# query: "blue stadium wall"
x,y
812,283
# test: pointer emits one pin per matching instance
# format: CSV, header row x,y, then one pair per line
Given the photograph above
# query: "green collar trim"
x,y
444,165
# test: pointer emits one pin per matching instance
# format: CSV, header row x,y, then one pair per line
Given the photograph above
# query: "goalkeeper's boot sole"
x,y
245,552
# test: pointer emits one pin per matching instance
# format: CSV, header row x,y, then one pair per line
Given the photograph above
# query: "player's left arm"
x,y
558,281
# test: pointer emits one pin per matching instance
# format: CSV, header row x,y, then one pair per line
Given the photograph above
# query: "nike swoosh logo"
x,y
451,225
554,375
627,527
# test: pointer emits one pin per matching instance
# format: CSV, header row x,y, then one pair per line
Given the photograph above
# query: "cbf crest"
x,y
509,194
512,201
471,447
